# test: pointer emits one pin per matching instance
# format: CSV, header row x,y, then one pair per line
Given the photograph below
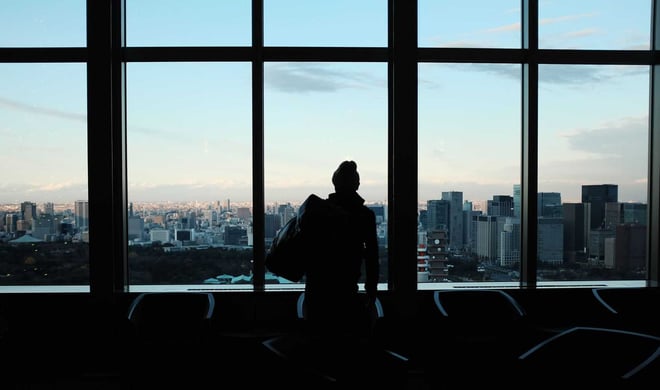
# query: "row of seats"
x,y
476,336
485,336
472,336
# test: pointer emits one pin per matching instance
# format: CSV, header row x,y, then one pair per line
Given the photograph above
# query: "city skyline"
x,y
189,124
478,204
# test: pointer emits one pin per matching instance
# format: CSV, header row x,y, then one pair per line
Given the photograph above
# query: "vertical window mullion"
x,y
103,242
119,178
258,195
529,174
402,219
653,216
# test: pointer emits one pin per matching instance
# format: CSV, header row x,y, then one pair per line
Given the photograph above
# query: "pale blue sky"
x,y
189,124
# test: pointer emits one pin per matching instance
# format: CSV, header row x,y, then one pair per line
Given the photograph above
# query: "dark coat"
x,y
336,262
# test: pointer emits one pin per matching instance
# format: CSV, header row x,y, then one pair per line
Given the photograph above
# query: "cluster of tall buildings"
x,y
599,229
45,224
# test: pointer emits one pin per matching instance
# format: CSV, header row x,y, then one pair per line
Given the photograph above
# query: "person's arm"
x,y
372,266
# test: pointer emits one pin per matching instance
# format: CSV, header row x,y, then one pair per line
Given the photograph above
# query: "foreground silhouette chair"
x,y
471,336
594,356
334,362
170,331
631,307
171,317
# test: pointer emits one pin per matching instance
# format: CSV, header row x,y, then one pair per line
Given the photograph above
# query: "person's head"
x,y
346,177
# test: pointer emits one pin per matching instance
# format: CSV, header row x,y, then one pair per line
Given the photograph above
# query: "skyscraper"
x,y
81,215
501,206
509,248
549,204
28,213
576,229
456,238
437,214
597,195
49,208
516,200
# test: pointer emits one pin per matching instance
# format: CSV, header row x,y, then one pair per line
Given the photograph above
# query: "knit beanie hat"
x,y
346,177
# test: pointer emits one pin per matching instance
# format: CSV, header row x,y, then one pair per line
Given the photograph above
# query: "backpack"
x,y
289,252
285,256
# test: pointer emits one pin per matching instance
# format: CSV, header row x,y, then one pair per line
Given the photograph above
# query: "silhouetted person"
x,y
335,310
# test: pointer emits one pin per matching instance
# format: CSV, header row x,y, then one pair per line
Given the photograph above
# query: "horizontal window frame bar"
x,y
339,54
248,54
336,54
541,56
49,54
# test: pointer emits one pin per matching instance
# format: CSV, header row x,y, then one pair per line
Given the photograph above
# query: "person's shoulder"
x,y
368,212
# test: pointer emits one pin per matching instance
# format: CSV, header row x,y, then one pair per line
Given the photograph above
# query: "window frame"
x,y
106,56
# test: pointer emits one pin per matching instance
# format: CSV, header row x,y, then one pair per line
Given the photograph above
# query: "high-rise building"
x,y
617,213
550,246
28,213
510,242
456,238
437,214
630,247
516,200
11,221
575,231
379,211
598,195
613,215
272,223
244,213
500,206
49,208
549,205
135,227
487,237
44,226
596,244
422,219
286,212
235,235
469,227
635,213
81,215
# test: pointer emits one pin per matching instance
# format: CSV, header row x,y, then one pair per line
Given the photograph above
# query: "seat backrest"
x,y
171,317
630,307
300,308
594,355
485,305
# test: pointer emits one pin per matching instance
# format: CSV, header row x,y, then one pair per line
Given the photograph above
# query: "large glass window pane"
x,y
325,23
469,166
592,180
595,24
316,116
189,154
39,23
457,23
188,23
44,223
